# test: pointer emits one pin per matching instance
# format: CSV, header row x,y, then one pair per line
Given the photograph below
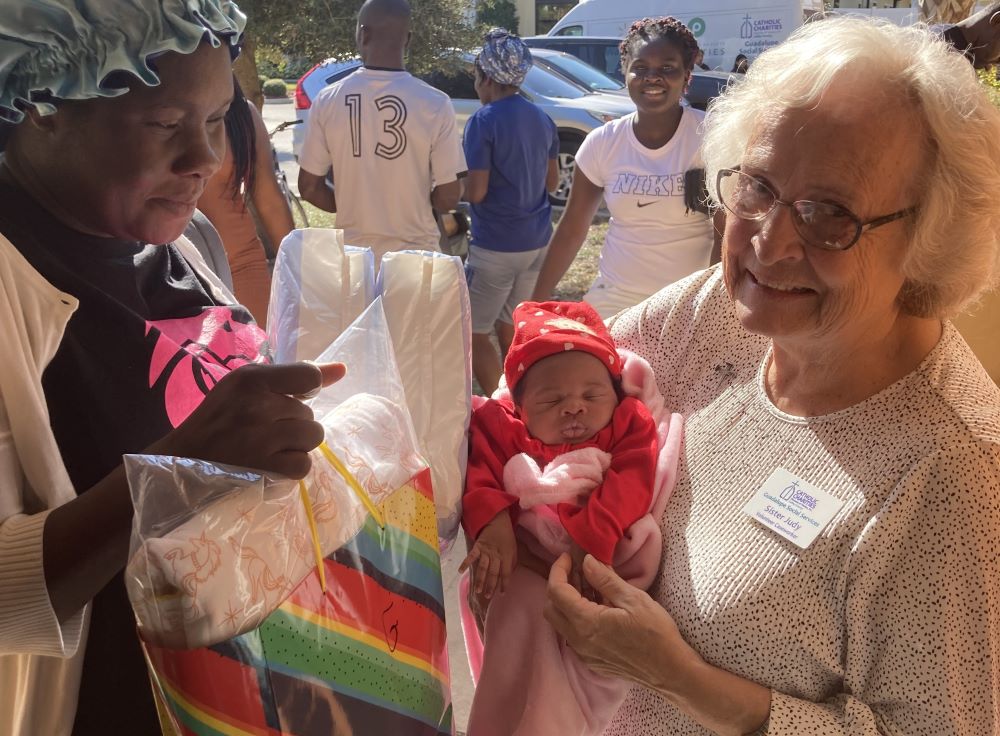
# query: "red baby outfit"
x,y
496,434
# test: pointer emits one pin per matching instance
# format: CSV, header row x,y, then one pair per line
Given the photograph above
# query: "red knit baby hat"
x,y
542,329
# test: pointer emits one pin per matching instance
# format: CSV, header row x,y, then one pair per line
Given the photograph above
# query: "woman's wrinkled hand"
x,y
254,418
629,635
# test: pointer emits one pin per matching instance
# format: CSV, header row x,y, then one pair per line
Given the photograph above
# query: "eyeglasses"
x,y
820,224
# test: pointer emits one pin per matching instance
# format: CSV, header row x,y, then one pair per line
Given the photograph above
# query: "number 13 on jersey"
x,y
391,142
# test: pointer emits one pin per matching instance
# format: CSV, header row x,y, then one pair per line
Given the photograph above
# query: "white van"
x,y
724,28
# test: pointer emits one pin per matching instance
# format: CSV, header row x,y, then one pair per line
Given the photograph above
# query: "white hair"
x,y
954,252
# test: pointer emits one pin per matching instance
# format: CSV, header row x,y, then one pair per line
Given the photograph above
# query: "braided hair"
x,y
648,30
242,140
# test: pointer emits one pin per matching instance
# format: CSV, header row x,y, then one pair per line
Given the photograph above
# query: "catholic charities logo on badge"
x,y
799,497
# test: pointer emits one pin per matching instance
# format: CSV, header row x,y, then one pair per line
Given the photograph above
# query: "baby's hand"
x,y
493,556
576,576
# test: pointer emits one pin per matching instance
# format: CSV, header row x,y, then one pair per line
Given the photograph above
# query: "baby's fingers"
x,y
469,559
481,573
493,576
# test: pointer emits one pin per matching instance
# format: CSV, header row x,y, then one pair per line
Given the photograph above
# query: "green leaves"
x,y
314,30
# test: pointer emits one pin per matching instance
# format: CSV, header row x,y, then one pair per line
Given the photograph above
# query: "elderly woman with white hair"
x,y
830,551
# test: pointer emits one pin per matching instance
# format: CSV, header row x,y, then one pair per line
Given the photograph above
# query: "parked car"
x,y
577,70
602,52
575,110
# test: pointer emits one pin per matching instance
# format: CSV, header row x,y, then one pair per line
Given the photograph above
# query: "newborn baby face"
x,y
567,398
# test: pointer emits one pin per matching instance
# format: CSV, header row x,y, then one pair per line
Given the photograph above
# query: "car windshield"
x,y
545,84
583,72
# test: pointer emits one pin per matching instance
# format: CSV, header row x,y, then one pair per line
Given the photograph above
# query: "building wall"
x,y
525,17
981,329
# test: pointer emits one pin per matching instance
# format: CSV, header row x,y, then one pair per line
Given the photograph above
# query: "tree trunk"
x,y
945,11
245,70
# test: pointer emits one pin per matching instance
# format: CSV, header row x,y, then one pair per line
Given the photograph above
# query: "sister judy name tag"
x,y
792,508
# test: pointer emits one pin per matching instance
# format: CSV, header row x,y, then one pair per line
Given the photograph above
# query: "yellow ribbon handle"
x,y
353,483
317,550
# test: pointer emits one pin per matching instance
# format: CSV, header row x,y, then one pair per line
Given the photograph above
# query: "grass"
x,y
583,271
317,217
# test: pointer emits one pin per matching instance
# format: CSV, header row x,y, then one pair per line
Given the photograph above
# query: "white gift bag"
x,y
426,302
319,287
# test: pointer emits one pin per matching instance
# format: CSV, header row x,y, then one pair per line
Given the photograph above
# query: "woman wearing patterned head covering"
x,y
114,332
511,148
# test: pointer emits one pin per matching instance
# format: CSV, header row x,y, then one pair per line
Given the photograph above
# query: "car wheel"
x,y
567,166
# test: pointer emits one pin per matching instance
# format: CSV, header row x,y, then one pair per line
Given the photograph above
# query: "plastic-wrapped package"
x,y
426,304
359,645
319,287
221,548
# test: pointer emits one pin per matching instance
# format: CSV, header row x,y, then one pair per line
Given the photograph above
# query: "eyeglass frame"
x,y
861,226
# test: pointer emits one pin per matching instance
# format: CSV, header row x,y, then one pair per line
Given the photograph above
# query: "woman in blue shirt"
x,y
511,148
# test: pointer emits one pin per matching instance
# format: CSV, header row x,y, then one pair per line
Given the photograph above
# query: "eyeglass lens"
x,y
819,223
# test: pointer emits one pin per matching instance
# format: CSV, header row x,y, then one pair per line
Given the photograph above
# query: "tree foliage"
x,y
497,14
319,29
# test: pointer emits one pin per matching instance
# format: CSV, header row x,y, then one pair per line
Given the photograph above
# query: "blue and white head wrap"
x,y
504,58
67,48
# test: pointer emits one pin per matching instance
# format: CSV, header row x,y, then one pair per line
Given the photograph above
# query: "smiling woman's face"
x,y
794,292
656,76
133,167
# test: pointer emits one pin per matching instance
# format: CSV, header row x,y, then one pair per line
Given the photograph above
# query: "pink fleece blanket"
x,y
528,682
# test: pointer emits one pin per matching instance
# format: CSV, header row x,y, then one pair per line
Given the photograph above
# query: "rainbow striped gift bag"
x,y
365,657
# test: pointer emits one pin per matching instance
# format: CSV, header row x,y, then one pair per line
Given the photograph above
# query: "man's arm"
x,y
444,197
315,190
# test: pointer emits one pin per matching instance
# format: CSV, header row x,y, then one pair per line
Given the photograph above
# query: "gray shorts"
x,y
498,282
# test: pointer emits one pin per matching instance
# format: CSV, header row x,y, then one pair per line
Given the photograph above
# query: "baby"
x,y
564,377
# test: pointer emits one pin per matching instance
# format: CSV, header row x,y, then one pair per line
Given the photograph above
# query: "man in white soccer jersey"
x,y
391,140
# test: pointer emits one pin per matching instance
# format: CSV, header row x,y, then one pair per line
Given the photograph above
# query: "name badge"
x,y
793,508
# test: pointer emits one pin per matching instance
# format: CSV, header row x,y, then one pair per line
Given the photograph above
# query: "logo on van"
x,y
697,26
746,30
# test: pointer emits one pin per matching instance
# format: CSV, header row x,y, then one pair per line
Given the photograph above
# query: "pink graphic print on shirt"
x,y
193,353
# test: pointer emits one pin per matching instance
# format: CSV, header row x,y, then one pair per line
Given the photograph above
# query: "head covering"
x,y
504,58
66,48
542,329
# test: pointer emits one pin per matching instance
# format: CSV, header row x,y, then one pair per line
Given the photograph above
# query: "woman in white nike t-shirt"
x,y
637,164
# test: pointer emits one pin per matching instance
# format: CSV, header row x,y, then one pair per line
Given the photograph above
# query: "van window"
x,y
570,31
612,65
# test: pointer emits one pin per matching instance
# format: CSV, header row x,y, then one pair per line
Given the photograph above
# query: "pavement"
x,y
276,112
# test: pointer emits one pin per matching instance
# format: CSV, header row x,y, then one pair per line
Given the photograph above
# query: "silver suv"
x,y
575,110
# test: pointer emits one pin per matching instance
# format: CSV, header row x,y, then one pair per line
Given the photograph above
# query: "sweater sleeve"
x,y
925,569
484,495
627,490
28,623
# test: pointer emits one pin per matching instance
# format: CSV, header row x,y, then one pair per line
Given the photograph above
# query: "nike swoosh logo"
x,y
646,204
